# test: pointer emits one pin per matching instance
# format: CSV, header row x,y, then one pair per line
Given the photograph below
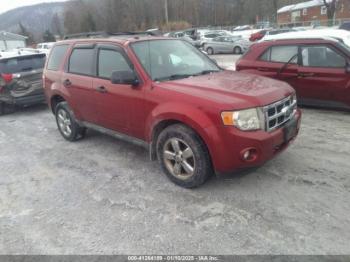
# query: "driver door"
x,y
322,76
119,106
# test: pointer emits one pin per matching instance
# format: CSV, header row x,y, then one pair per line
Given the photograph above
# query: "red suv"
x,y
166,95
318,69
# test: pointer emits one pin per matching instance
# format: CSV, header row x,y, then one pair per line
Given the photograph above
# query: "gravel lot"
x,y
103,196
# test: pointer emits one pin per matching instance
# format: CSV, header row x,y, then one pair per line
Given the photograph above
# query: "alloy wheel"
x,y
179,158
64,122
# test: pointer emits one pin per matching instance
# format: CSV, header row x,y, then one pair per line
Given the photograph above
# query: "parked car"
x,y
258,35
183,36
227,44
45,47
318,68
345,26
242,28
21,79
209,37
194,117
341,35
279,31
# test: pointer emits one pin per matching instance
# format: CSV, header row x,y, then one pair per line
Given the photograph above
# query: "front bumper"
x,y
228,156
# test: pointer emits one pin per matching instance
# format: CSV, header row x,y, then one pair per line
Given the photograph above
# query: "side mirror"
x,y
125,78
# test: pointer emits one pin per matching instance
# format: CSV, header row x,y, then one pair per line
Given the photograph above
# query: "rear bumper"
x,y
24,100
229,156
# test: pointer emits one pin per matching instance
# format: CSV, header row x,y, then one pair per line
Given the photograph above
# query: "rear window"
x,y
280,54
56,57
81,61
22,64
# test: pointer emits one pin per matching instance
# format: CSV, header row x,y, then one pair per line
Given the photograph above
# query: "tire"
x,y
179,149
237,50
210,51
66,123
2,108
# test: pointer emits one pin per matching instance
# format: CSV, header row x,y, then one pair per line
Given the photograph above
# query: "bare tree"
x,y
331,6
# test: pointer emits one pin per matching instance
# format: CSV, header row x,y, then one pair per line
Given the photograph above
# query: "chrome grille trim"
x,y
279,113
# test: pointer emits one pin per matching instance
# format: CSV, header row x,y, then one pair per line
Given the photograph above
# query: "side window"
x,y
110,61
266,55
56,57
321,56
280,54
81,61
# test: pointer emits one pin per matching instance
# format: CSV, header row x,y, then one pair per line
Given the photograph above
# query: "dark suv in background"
x,y
21,79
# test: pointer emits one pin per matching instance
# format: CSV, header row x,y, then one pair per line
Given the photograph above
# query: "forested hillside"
x,y
122,15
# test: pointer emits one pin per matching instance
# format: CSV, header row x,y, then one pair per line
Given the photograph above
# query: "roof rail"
x,y
102,34
330,38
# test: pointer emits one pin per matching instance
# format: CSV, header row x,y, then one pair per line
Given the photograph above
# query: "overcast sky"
x,y
11,4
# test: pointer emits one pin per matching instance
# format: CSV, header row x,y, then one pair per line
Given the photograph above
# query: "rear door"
x,y
78,81
322,76
279,62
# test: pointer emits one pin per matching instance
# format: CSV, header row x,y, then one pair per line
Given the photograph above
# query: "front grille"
x,y
279,113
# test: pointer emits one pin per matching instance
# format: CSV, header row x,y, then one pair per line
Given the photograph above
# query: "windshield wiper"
x,y
205,72
180,76
173,77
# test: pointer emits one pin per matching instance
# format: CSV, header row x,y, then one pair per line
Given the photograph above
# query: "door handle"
x,y
262,69
67,83
101,89
302,75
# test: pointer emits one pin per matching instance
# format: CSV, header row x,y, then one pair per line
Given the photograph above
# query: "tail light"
x,y
7,77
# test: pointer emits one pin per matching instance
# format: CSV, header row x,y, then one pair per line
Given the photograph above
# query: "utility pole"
x,y
166,12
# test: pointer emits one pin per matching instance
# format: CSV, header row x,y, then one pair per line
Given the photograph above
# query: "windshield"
x,y
172,59
22,64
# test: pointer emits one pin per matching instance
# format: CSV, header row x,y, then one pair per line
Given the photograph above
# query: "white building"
x,y
10,41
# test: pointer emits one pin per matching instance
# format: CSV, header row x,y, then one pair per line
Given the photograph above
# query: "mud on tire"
x,y
66,123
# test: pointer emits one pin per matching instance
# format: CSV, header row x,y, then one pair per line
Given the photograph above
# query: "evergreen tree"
x,y
23,31
48,36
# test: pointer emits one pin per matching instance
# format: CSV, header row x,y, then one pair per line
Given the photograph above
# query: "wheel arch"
x,y
55,100
193,118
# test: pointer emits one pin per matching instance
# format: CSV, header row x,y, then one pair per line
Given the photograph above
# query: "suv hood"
x,y
240,90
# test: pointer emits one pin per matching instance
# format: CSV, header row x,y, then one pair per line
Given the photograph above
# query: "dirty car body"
x,y
21,80
168,96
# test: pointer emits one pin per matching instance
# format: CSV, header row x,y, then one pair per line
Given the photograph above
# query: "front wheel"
x,y
66,123
183,156
210,51
237,50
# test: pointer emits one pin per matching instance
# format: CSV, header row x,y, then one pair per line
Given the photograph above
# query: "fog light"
x,y
249,154
246,155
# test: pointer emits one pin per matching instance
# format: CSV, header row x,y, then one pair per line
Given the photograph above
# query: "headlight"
x,y
294,98
246,120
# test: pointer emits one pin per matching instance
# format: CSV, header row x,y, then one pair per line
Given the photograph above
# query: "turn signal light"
x,y
227,118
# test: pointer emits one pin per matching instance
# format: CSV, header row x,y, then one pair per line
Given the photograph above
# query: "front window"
x,y
322,56
110,61
172,59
